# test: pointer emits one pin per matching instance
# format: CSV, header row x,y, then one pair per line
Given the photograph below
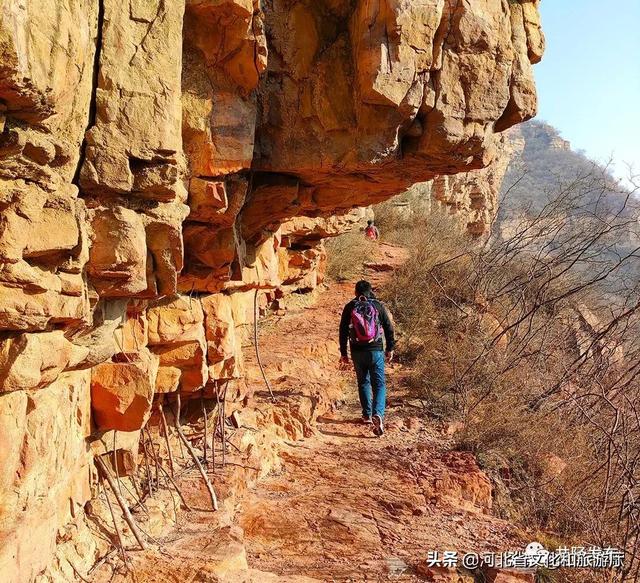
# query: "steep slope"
x,y
546,177
544,163
157,163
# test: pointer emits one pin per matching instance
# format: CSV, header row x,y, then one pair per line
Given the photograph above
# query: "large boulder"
x,y
31,361
122,392
177,337
224,349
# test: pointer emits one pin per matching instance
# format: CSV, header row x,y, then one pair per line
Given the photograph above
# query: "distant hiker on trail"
x,y
364,322
371,231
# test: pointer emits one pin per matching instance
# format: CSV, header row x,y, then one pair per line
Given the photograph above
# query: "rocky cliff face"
x,y
159,161
472,197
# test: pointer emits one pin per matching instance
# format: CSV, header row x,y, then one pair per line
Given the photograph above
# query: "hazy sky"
x,y
589,79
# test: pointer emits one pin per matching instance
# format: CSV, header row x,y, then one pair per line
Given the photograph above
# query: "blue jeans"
x,y
369,368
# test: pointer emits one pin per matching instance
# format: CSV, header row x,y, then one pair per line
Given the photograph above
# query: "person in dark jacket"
x,y
368,357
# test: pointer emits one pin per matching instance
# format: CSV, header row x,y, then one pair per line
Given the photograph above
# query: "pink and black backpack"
x,y
365,322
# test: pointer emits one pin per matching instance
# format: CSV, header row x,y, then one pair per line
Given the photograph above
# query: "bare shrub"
x,y
399,217
532,339
347,254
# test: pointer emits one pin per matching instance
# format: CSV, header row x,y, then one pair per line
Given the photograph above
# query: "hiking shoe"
x,y
366,419
378,425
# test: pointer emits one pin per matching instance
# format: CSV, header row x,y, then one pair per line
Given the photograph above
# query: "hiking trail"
x,y
331,502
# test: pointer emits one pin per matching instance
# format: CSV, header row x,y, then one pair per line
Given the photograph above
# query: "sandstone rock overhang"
x,y
160,160
365,98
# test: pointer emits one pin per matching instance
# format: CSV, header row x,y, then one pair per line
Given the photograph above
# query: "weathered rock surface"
x,y
45,477
122,392
473,196
160,161
31,361
470,197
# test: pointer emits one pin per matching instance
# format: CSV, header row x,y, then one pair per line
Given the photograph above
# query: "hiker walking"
x,y
365,323
371,231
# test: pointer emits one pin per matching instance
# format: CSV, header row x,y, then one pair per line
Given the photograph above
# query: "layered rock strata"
x,y
160,161
472,197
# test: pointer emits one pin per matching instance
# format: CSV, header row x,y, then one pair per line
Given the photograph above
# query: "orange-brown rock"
x,y
203,146
45,471
167,379
224,349
122,392
177,337
506,576
425,100
134,144
43,246
31,361
208,200
443,574
462,484
224,55
166,96
190,359
118,257
175,320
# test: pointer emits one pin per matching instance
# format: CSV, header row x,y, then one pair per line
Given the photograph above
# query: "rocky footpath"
x,y
307,494
161,161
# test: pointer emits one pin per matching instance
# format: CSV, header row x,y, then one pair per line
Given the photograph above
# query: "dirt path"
x,y
349,506
338,504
